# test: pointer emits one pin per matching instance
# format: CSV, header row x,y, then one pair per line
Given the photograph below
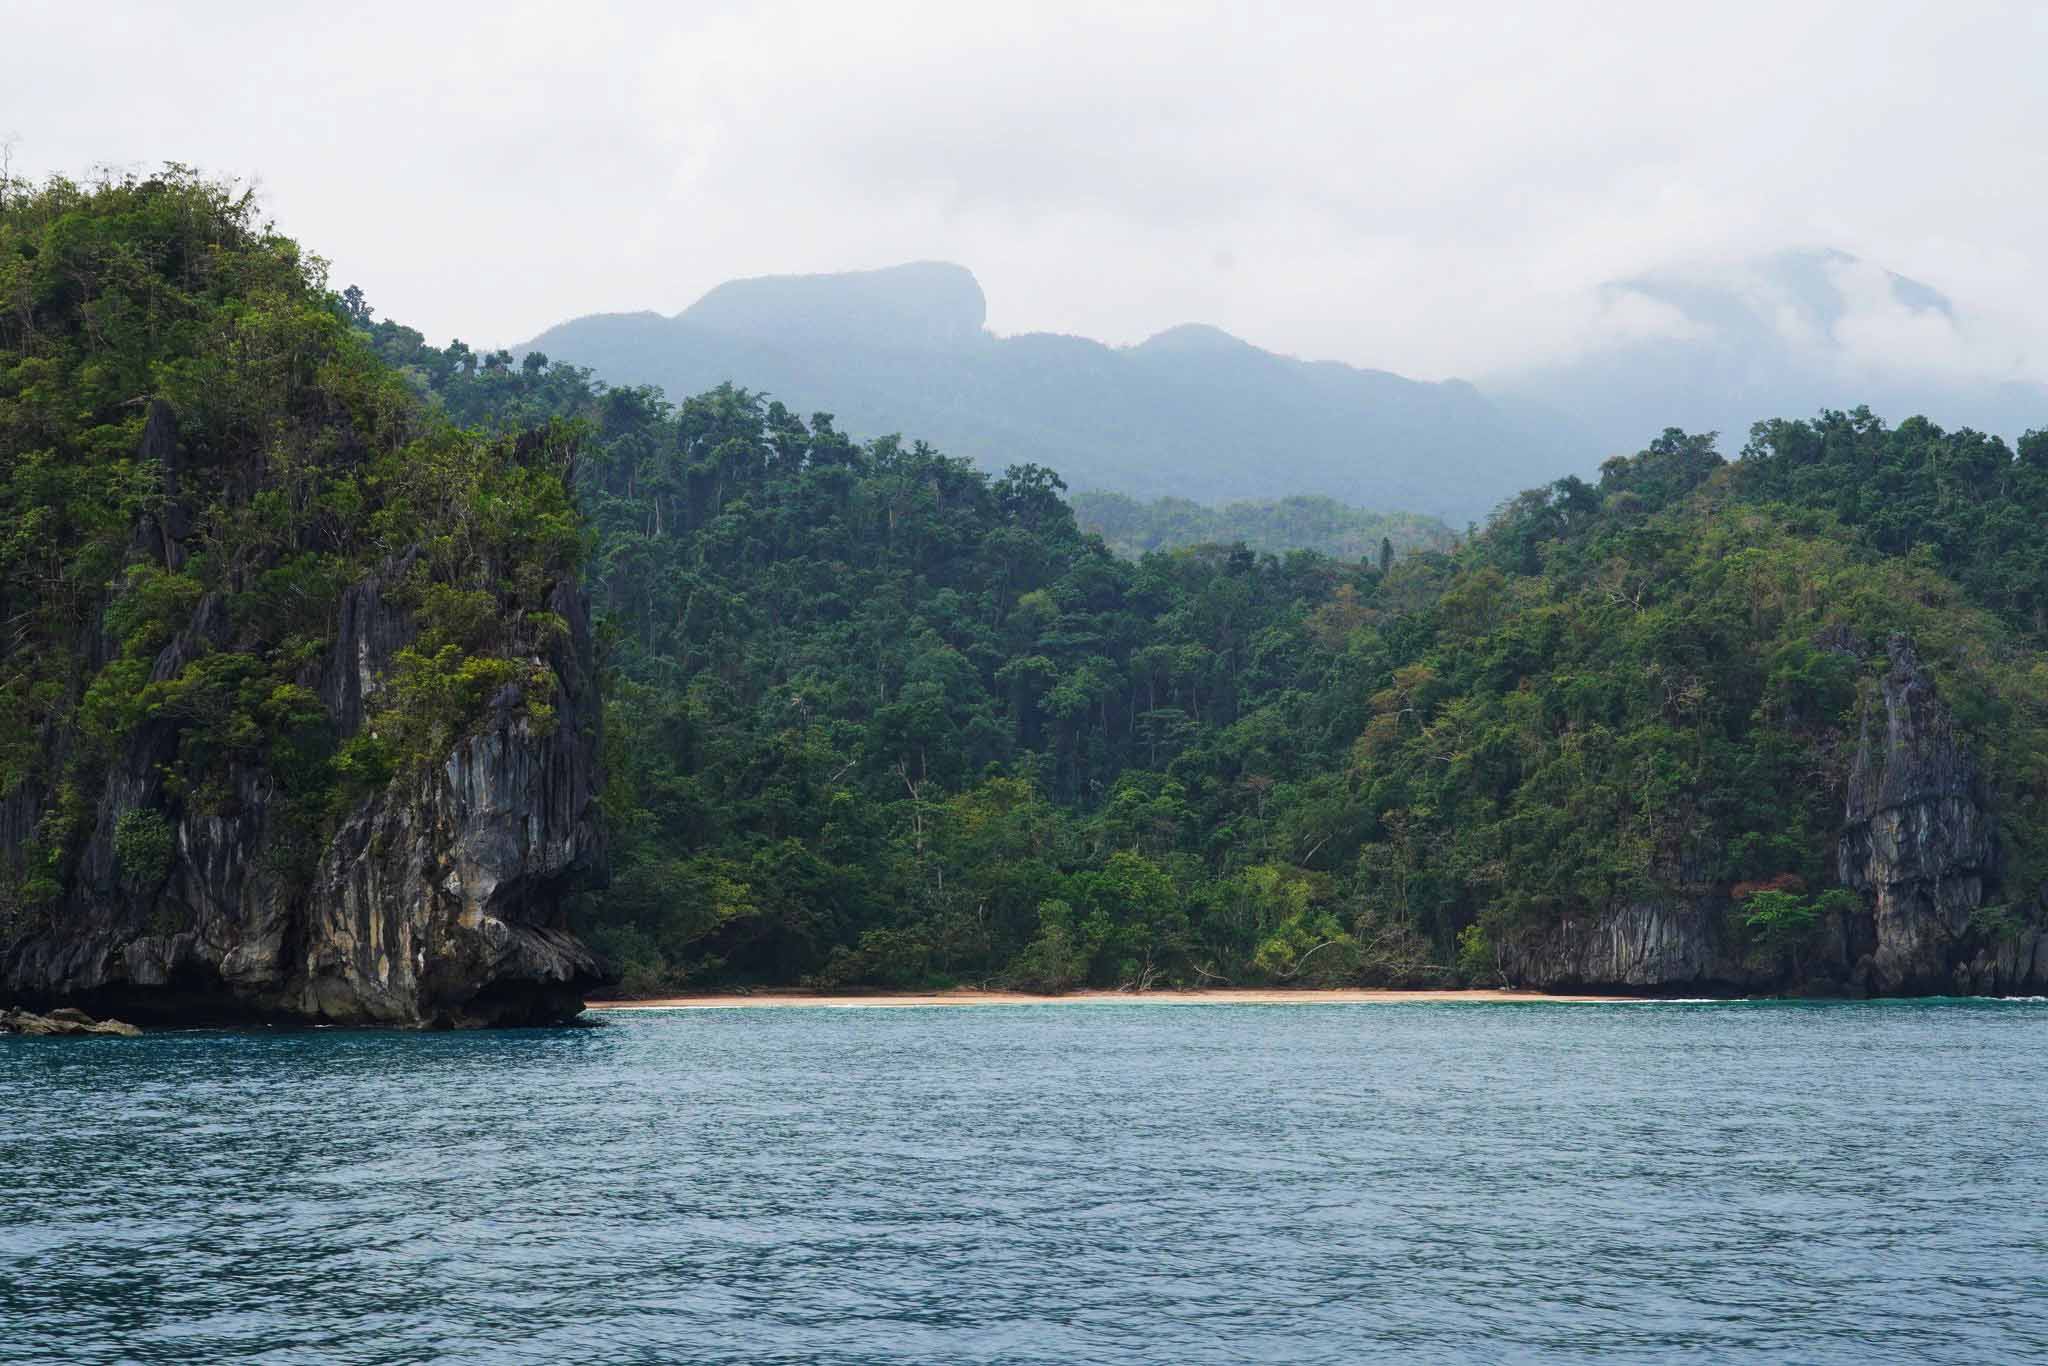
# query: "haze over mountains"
x,y
1194,412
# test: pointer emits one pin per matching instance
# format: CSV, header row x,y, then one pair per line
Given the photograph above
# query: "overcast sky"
x,y
1429,188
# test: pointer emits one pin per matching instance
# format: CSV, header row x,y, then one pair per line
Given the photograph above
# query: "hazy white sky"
x,y
1429,188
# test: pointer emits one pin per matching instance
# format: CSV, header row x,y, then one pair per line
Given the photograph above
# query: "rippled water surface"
x,y
1429,1182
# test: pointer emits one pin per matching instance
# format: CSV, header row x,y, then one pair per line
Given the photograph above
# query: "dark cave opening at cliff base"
x,y
191,998
512,1005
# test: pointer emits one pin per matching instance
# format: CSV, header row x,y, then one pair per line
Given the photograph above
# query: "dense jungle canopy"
x,y
878,718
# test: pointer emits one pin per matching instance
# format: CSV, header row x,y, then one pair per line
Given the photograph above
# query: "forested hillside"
x,y
879,718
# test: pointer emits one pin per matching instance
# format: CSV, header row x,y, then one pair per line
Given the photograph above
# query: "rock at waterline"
x,y
63,1021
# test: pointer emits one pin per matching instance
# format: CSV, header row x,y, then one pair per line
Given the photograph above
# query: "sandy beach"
x,y
965,997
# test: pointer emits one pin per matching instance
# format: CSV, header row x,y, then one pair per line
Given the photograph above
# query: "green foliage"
x,y
1963,502
1783,923
436,695
144,844
2002,924
1055,960
877,718
1780,920
1478,962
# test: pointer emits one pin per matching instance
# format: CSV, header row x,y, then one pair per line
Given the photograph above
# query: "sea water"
x,y
1058,1183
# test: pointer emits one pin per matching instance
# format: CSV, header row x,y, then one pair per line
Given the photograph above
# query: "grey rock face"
x,y
1640,946
1919,841
1918,835
442,899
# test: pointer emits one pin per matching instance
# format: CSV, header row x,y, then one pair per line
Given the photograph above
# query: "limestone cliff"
x,y
1685,945
298,711
1919,843
436,900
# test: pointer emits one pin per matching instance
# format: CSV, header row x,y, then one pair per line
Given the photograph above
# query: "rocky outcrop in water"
x,y
437,900
443,898
1919,843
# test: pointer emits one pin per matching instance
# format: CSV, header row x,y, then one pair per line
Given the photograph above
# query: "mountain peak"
x,y
1194,337
914,306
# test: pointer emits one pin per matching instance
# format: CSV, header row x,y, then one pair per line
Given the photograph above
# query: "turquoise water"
x,y
1846,1182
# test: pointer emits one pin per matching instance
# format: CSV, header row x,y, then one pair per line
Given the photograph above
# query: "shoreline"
x,y
965,996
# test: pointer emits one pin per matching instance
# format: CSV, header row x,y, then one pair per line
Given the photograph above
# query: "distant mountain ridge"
x,y
923,304
1192,412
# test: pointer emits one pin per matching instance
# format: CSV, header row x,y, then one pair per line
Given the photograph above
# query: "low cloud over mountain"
x,y
1717,347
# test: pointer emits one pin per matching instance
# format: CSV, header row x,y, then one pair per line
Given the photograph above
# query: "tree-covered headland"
x,y
196,441
284,644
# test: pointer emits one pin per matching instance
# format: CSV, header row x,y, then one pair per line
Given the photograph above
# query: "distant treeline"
x,y
1324,525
